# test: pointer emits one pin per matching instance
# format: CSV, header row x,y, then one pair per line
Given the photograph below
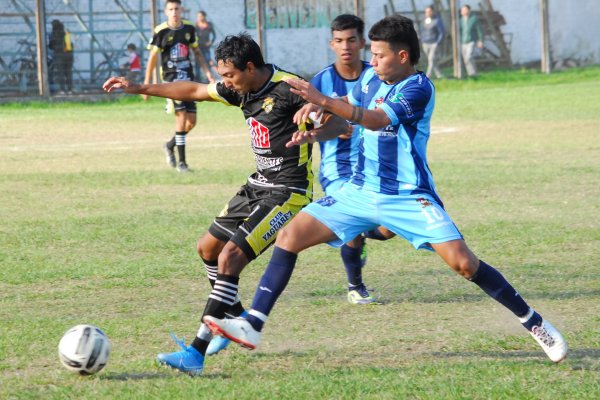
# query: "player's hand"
x,y
305,90
348,134
301,137
117,82
308,111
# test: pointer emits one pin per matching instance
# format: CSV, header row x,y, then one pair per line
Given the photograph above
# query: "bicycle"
x,y
111,66
23,70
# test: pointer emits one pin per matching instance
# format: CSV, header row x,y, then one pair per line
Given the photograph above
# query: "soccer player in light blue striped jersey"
x,y
340,154
391,186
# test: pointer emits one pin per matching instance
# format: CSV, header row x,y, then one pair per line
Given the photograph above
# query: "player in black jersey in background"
x,y
173,41
271,197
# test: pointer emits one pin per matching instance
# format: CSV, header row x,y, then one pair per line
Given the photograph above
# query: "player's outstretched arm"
x,y
184,90
370,119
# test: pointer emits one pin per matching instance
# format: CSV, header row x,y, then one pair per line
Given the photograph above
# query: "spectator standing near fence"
x,y
133,64
470,36
206,38
432,34
62,48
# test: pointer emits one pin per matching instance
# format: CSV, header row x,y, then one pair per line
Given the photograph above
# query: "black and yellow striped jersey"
x,y
269,113
175,46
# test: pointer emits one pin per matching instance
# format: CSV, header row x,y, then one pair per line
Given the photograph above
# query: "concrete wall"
x,y
574,29
574,25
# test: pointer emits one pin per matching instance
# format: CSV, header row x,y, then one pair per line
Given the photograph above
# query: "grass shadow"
x,y
582,359
133,376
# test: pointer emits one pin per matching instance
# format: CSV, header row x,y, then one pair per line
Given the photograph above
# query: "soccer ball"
x,y
84,349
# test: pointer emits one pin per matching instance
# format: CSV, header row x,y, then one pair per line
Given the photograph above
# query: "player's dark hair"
x,y
344,22
172,1
398,31
239,50
468,7
131,46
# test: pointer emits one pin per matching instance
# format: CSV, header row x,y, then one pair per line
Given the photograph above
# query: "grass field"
x,y
95,228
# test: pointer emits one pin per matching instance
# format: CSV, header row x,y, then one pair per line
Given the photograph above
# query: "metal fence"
x,y
99,30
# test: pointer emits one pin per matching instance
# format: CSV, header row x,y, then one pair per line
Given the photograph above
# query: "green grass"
x,y
97,229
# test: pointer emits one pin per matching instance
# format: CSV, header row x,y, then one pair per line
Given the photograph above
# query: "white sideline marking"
x,y
436,130
122,145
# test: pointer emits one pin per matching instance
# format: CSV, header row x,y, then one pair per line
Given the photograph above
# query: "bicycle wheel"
x,y
24,73
102,72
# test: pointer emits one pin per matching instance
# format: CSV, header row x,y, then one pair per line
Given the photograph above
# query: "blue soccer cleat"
x,y
219,343
188,360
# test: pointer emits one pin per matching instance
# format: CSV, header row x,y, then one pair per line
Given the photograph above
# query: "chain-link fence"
x,y
86,42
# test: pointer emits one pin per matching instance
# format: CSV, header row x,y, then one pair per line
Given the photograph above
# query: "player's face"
x,y
346,46
389,65
233,78
173,13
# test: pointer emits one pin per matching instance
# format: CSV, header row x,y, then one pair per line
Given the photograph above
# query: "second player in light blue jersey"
x,y
339,155
391,186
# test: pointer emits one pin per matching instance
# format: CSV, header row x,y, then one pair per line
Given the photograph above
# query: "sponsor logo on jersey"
x,y
424,202
389,130
187,37
378,102
268,163
326,201
277,222
259,134
365,89
396,98
268,104
179,52
407,107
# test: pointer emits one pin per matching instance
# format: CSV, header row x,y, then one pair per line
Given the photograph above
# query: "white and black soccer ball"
x,y
84,349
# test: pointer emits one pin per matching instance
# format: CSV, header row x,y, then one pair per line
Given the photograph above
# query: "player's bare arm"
x,y
370,119
203,64
184,90
329,127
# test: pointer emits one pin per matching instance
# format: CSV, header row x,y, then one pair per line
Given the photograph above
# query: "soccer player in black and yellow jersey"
x,y
279,188
173,40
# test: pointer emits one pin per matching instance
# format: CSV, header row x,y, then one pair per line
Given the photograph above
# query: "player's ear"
x,y
404,55
250,67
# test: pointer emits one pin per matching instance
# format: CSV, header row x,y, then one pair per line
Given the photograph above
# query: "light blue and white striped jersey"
x,y
338,156
393,159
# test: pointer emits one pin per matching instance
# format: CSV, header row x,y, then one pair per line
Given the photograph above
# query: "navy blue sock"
x,y
272,283
352,263
496,286
535,320
374,234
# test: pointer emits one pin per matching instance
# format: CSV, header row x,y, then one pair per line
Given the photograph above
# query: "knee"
x,y
284,239
465,265
205,251
232,260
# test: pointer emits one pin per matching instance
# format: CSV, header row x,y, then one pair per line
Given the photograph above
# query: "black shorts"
x,y
254,216
176,105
